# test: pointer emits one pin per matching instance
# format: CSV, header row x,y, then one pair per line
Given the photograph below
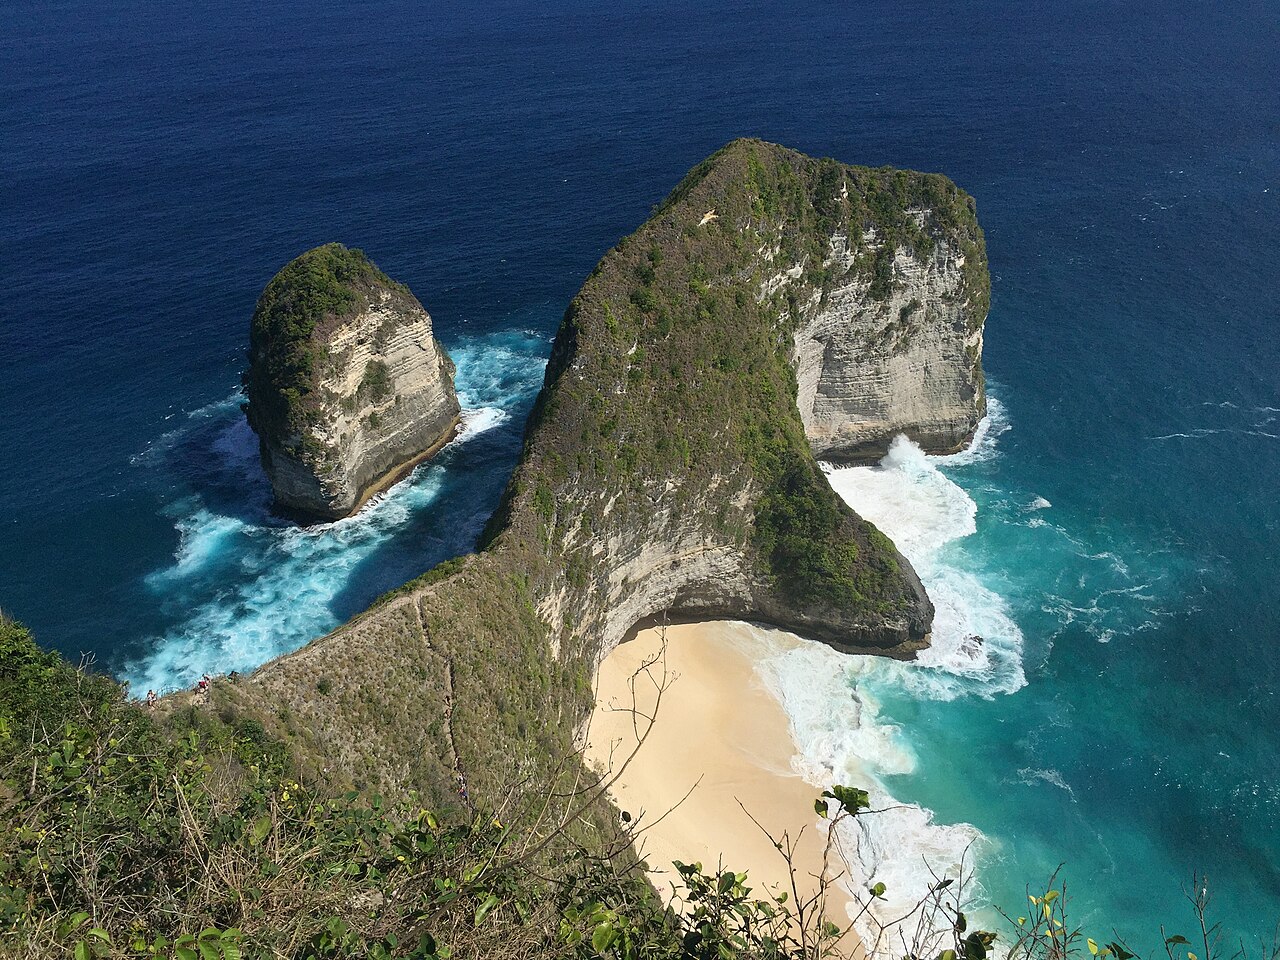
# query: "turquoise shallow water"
x,y
163,161
1060,737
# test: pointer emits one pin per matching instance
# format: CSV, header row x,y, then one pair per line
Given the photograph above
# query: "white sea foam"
x,y
480,420
1031,775
833,701
834,714
246,586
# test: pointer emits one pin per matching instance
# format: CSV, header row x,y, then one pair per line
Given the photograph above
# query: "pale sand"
x,y
721,733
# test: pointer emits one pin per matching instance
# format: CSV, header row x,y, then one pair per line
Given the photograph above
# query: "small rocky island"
x,y
347,387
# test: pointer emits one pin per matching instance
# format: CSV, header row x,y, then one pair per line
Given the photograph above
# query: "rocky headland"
x,y
347,387
775,309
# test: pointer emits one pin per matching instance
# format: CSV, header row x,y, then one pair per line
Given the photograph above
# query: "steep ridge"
x,y
347,386
666,474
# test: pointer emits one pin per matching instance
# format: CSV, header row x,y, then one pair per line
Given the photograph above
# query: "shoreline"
x,y
717,757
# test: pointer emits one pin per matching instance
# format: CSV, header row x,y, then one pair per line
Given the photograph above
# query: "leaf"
x,y
1051,896
974,948
851,799
82,950
820,807
602,937
486,905
947,955
878,890
726,882
261,827
1093,946
961,923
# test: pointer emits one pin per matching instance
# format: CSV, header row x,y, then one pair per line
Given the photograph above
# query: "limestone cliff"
x,y
347,388
666,473
902,357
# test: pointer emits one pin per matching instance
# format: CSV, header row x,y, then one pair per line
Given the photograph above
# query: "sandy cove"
x,y
720,737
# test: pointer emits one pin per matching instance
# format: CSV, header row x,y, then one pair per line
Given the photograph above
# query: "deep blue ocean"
x,y
159,162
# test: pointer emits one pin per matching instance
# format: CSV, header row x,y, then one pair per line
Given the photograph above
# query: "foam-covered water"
x,y
977,651
976,647
833,701
250,586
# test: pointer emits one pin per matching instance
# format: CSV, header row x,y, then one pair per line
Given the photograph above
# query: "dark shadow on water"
x,y
216,459
475,474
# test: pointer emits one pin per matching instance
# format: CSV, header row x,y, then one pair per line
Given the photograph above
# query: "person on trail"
x,y
151,698
203,685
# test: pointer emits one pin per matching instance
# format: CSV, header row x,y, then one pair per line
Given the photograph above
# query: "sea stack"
x,y
347,387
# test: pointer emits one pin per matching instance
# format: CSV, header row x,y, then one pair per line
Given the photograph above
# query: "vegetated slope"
x,y
666,473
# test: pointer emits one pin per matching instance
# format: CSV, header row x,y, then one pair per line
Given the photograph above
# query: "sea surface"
x,y
1113,538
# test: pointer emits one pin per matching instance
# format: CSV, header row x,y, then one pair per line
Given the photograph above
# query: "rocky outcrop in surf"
x,y
667,474
347,388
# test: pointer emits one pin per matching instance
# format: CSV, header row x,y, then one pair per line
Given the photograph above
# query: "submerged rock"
x,y
347,388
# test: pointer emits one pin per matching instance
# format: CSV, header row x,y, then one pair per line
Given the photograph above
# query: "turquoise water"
x,y
1120,715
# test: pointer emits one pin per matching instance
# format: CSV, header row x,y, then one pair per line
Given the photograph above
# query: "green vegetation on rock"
x,y
177,834
299,307
666,473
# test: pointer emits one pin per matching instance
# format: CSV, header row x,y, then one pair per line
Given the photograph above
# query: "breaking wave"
x,y
245,586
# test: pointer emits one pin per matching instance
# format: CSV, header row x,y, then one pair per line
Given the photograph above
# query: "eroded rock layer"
x,y
347,386
872,363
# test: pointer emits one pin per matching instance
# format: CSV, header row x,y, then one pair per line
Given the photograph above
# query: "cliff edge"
x,y
668,473
347,388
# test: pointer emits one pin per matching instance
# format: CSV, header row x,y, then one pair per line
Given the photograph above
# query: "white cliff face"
x,y
386,402
869,369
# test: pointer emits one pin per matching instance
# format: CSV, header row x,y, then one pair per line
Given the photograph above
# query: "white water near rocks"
x,y
249,587
833,700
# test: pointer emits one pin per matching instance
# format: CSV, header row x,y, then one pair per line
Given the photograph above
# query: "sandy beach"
x,y
720,743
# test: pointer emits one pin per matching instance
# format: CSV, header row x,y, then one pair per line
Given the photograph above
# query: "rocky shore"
x,y
668,473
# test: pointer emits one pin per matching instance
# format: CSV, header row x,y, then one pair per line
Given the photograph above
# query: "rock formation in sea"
x,y
347,388
668,472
